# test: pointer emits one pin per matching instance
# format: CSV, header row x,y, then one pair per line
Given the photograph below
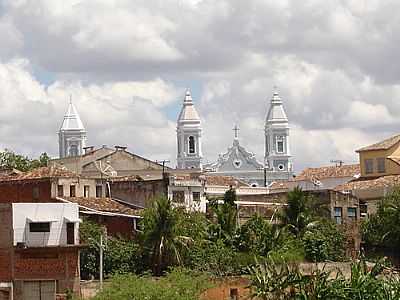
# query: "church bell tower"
x,y
277,151
188,132
72,134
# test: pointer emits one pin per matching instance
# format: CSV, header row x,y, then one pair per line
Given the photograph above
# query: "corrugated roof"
x,y
365,183
383,145
329,172
41,173
103,205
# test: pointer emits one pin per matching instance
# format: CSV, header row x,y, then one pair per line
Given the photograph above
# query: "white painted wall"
x,y
59,214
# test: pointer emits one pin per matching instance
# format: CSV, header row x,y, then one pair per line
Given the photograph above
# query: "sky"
x,y
127,64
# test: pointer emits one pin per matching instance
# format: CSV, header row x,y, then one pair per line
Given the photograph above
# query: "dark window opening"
x,y
86,190
192,146
73,150
338,215
196,196
381,165
35,193
234,294
99,191
70,233
72,191
60,191
39,227
178,196
352,213
369,166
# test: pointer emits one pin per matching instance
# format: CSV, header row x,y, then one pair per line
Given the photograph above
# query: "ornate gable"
x,y
237,158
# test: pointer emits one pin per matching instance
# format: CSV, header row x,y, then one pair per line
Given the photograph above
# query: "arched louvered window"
x,y
192,145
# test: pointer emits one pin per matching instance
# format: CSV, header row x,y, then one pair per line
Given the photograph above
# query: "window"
x,y
369,166
196,196
381,165
279,144
86,190
178,196
234,294
99,191
338,215
72,192
60,191
35,193
107,191
39,227
70,233
192,146
352,213
73,150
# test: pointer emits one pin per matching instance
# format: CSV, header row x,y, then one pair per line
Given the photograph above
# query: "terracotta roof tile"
x,y
104,205
383,145
224,181
329,172
369,183
41,173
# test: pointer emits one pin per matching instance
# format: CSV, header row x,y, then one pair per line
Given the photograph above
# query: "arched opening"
x,y
73,150
192,145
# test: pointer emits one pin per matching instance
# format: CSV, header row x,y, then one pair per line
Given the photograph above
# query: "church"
x,y
237,161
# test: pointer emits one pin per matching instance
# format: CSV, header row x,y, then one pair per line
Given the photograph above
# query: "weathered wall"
x,y
224,287
18,191
140,193
5,242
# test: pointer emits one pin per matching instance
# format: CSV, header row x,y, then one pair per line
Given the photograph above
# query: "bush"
x,y
179,284
324,241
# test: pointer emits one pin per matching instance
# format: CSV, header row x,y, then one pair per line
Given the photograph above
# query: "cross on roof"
x,y
236,130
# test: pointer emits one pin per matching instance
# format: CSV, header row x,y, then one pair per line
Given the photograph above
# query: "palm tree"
x,y
160,235
296,215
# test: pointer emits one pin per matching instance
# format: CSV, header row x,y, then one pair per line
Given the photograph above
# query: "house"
x,y
380,159
39,250
380,174
319,178
57,184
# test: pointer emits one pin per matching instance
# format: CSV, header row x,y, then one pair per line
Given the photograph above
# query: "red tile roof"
x,y
103,205
40,173
370,183
383,145
220,180
329,172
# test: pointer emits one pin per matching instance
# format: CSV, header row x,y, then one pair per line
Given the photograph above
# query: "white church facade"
x,y
237,161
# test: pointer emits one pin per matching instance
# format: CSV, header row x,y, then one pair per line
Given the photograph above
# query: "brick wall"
x,y
6,241
19,191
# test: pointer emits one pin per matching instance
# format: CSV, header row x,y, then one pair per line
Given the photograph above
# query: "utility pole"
x,y
101,260
164,161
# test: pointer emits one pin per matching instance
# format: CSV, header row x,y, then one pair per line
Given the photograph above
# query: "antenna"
x,y
337,162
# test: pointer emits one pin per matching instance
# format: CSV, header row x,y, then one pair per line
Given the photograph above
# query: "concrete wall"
x,y
58,214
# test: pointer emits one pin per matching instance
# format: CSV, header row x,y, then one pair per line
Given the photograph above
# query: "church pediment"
x,y
237,158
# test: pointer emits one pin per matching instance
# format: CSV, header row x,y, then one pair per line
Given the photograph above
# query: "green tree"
x,y
161,237
226,217
324,241
296,215
383,228
11,160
